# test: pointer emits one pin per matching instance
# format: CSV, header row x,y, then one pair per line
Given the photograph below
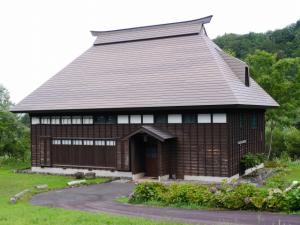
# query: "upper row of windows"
x,y
133,119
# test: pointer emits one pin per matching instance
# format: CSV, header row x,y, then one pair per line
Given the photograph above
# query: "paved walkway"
x,y
100,198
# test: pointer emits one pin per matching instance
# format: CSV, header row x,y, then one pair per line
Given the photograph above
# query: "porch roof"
x,y
152,131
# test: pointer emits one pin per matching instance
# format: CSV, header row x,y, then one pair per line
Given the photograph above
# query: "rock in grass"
x,y
76,182
42,186
15,198
90,175
79,175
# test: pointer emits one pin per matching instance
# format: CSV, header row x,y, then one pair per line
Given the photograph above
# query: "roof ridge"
x,y
209,45
202,20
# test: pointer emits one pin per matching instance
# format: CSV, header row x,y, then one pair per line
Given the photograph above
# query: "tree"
x,y
281,79
14,134
5,102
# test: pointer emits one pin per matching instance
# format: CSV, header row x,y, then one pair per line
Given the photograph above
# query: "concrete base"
x,y
137,176
210,179
250,170
163,178
220,179
69,171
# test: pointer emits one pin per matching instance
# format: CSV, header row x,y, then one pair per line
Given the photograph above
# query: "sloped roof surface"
x,y
170,70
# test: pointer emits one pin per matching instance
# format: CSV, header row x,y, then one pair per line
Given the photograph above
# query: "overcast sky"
x,y
39,37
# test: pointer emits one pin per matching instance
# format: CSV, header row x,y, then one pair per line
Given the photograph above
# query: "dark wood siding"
x,y
254,137
199,149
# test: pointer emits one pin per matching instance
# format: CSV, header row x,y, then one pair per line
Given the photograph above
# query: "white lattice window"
x,y
100,142
174,118
110,143
55,120
219,118
66,120
123,119
88,142
77,142
148,119
76,120
135,119
87,120
66,142
56,142
204,118
45,120
35,120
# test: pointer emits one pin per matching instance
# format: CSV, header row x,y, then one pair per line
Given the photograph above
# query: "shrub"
x,y
293,200
179,194
148,192
292,142
250,160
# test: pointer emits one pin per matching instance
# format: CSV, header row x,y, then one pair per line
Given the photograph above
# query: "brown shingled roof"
x,y
170,65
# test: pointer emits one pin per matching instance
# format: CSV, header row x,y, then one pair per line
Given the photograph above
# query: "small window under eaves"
x,y
247,81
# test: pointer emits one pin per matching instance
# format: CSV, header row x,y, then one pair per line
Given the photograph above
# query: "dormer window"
x,y
247,83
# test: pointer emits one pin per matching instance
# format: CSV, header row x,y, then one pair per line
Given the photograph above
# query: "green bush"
x,y
293,200
179,194
148,191
292,142
250,160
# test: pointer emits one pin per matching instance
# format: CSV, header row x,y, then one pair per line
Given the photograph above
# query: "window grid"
x,y
45,120
35,120
87,120
76,120
55,120
66,120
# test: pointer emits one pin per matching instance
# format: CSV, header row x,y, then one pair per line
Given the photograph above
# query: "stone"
x,y
90,175
42,186
79,175
76,182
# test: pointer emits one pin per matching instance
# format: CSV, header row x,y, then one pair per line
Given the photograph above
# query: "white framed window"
x,y
88,142
77,142
66,120
76,120
174,118
100,142
110,143
135,119
204,118
66,142
219,118
35,120
148,119
87,120
45,120
56,141
55,120
123,119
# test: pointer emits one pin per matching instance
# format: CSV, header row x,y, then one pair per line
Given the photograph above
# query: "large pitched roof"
x,y
169,65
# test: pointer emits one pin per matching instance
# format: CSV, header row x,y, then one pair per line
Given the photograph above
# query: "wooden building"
x,y
159,101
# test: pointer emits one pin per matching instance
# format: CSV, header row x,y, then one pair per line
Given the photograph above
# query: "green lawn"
x,y
290,173
23,213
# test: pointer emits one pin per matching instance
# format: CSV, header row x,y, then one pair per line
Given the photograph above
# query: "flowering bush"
x,y
229,196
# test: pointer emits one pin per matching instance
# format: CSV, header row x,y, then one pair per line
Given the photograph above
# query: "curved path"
x,y
100,198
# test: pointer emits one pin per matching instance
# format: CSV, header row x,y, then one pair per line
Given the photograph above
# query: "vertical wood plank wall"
x,y
199,149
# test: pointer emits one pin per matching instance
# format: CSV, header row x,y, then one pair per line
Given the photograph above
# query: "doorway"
x,y
145,154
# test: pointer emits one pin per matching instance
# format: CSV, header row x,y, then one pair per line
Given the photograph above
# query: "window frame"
x,y
35,120
66,118
135,119
177,117
121,117
206,118
215,118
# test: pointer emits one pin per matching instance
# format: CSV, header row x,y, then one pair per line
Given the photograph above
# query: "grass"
x,y
286,175
23,213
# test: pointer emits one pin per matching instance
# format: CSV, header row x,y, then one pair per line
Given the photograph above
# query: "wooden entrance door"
x,y
151,158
